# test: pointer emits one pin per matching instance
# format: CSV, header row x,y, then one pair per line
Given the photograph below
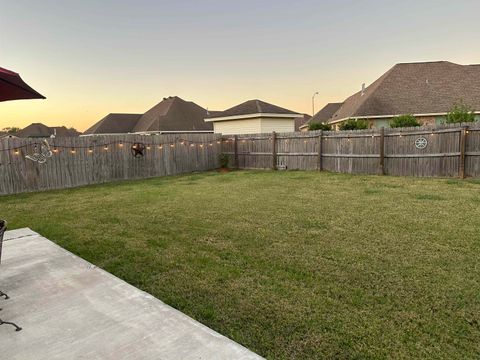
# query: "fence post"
x,y
320,143
274,150
235,151
463,146
382,151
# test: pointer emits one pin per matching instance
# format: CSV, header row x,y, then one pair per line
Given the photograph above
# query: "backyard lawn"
x,y
289,264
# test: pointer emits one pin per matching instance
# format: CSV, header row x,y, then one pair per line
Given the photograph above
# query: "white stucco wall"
x,y
254,126
232,127
277,125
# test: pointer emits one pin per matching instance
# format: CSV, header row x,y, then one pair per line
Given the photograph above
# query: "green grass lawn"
x,y
289,264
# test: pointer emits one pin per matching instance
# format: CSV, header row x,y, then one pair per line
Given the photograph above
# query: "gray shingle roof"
x,y
254,107
174,114
416,88
114,124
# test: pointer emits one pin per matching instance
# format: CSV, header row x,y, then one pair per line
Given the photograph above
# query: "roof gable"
x,y
174,114
253,107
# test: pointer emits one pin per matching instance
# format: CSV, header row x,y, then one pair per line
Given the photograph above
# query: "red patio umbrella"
x,y
12,87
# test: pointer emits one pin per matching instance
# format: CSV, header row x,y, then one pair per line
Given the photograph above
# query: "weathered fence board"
x,y
451,151
99,159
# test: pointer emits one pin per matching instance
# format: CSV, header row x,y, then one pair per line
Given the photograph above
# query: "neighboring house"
x,y
254,116
113,124
427,90
39,130
171,115
322,116
301,121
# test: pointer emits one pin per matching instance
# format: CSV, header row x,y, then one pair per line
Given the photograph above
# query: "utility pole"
x,y
313,103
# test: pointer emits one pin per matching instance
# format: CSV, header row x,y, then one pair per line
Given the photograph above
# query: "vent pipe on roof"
x,y
363,89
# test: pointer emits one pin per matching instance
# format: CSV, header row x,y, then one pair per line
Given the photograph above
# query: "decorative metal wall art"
x,y
421,143
138,149
42,156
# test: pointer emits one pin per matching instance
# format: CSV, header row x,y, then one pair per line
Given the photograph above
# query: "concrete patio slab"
x,y
70,309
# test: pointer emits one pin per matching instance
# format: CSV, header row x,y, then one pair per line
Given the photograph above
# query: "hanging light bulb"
x,y
72,151
121,144
106,147
16,151
172,145
210,144
55,150
192,145
148,147
160,147
90,150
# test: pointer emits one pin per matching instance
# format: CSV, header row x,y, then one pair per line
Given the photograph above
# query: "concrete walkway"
x,y
69,309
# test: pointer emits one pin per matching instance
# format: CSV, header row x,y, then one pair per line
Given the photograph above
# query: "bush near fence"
x,y
453,150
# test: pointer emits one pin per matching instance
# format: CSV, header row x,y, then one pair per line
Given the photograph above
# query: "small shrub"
x,y
224,159
406,120
460,113
319,126
354,124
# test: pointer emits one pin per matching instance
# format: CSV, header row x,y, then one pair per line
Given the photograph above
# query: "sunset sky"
x,y
90,58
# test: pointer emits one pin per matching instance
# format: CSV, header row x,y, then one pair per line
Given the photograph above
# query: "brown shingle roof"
x,y
416,88
174,114
41,130
254,107
62,131
324,114
114,124
35,130
299,122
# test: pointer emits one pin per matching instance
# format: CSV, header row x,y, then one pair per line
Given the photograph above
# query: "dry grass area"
x,y
289,264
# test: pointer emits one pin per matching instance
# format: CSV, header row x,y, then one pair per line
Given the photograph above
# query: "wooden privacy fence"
x,y
91,160
444,151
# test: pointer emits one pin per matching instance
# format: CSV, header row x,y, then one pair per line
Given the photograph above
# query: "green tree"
x,y
354,124
460,113
11,130
406,120
319,126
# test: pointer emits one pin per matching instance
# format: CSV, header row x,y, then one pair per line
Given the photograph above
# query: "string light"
x,y
160,147
172,145
105,148
192,145
55,150
120,144
148,147
72,151
90,150
219,142
201,145
210,144
16,151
